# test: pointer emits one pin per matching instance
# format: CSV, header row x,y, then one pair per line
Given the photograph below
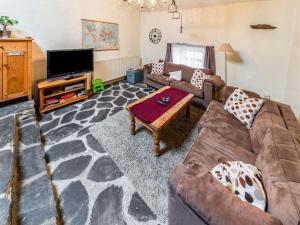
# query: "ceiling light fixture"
x,y
146,5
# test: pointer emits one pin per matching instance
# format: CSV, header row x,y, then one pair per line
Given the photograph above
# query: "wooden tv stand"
x,y
56,89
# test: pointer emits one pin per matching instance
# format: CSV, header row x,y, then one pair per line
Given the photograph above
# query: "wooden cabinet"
x,y
15,68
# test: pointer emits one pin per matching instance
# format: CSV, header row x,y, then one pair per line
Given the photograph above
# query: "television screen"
x,y
62,63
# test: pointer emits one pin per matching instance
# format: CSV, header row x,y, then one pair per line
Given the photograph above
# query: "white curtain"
x,y
189,55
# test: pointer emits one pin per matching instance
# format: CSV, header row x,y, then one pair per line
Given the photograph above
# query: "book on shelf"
x,y
52,101
80,93
66,96
74,86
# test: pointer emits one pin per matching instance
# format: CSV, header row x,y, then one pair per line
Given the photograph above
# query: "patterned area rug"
x,y
134,156
90,187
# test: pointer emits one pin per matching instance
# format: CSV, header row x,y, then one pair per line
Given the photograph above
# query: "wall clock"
x,y
155,36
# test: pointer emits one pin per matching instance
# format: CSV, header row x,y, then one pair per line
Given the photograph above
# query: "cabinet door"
x,y
1,75
14,74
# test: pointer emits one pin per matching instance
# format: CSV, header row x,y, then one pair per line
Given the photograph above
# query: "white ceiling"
x,y
202,3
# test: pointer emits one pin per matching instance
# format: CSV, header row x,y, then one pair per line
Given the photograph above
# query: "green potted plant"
x,y
6,21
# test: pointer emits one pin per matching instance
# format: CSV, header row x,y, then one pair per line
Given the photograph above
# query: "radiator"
x,y
115,68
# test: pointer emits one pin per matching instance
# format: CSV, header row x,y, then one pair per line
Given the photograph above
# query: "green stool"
x,y
98,85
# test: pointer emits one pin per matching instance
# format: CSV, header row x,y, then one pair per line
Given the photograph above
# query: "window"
x,y
189,55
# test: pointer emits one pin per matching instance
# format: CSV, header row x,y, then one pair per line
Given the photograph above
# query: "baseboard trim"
x,y
90,91
114,80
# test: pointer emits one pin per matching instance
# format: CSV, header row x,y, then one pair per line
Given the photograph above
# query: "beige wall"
x,y
263,56
267,61
56,24
293,81
129,28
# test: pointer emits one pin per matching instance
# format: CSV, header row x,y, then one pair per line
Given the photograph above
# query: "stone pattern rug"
x,y
35,197
91,189
134,155
6,165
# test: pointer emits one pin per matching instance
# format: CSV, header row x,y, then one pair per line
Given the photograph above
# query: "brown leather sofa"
x,y
272,144
202,96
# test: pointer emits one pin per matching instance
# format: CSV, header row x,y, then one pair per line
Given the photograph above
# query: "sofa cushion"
x,y
211,148
214,203
218,120
187,87
268,116
171,67
279,161
160,79
270,107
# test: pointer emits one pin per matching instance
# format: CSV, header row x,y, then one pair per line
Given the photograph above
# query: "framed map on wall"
x,y
102,36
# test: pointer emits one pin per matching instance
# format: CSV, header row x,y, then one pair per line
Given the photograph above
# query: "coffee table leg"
x,y
188,110
156,140
132,127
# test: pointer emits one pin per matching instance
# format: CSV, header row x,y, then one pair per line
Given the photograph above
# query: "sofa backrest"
x,y
273,113
187,72
230,89
279,162
171,67
268,116
290,120
274,137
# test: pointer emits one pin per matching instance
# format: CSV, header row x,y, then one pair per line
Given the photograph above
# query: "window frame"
x,y
188,61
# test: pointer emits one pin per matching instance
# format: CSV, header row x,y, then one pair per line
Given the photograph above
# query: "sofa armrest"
x,y
217,82
208,93
211,86
176,175
214,203
147,68
230,89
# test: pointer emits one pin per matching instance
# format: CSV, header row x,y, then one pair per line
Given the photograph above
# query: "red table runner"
x,y
149,110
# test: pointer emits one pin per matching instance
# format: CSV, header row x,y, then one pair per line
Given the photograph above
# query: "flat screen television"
x,y
69,63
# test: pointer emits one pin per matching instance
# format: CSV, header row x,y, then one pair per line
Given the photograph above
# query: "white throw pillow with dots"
x,y
198,78
158,68
237,95
243,107
244,180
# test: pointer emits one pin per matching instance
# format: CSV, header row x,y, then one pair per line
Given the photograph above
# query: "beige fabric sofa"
x,y
202,96
272,144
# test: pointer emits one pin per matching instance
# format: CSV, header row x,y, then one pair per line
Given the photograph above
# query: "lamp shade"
x,y
225,47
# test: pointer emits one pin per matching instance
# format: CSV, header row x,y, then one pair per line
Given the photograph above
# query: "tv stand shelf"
x,y
55,94
55,89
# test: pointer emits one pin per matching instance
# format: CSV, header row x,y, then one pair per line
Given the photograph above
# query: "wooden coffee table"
x,y
163,121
